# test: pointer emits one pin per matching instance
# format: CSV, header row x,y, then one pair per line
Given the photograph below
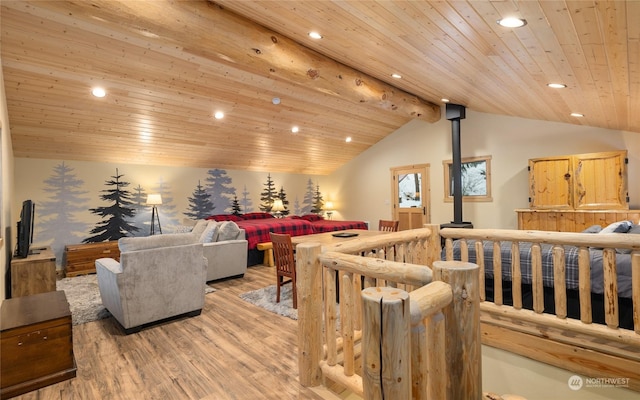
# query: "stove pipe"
x,y
455,113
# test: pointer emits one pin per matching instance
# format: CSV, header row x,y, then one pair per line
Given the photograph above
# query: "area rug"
x,y
266,298
84,299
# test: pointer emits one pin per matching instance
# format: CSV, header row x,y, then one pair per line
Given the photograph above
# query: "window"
x,y
476,179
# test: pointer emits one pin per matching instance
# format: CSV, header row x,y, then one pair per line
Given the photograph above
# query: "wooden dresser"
x,y
36,343
81,258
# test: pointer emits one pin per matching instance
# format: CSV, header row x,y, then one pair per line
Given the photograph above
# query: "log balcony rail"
x,y
581,346
392,334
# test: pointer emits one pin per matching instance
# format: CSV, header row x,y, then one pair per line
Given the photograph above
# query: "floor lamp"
x,y
154,200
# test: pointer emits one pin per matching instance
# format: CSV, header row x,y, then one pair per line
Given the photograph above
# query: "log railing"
x,y
391,335
579,345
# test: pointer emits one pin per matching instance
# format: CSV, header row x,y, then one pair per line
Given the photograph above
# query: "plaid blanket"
x,y
326,225
623,265
257,230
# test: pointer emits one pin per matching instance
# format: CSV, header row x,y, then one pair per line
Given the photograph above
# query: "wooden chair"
x,y
388,226
285,264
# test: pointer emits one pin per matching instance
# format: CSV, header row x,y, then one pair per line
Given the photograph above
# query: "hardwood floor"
x,y
233,350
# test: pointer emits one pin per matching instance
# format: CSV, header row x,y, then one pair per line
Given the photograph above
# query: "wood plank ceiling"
x,y
168,66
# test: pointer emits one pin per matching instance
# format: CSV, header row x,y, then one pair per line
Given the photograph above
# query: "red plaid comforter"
x,y
326,225
257,230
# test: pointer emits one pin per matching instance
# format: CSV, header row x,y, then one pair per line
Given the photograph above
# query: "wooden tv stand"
x,y
34,274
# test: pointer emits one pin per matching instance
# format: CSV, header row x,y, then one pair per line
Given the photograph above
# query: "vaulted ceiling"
x,y
168,66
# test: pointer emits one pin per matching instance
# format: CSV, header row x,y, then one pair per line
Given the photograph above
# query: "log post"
x,y
308,278
386,362
462,321
433,245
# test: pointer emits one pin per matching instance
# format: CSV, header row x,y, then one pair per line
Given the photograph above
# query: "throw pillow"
x,y
228,231
209,233
201,225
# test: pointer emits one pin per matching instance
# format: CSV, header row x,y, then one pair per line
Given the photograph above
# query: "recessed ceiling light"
x,y
348,139
315,35
276,100
445,100
218,115
557,85
98,92
295,129
512,22
396,76
578,115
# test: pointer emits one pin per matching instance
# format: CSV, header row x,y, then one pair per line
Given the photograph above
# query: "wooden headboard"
x,y
572,220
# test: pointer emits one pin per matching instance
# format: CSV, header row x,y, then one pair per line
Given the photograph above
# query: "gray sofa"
x,y
224,246
158,277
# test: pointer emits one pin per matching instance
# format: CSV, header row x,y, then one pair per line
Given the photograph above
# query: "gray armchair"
x,y
158,277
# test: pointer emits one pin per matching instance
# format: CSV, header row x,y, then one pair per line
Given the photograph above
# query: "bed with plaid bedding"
x,y
328,225
623,265
257,230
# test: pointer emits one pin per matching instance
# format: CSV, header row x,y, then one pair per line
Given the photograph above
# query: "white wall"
x,y
362,188
6,186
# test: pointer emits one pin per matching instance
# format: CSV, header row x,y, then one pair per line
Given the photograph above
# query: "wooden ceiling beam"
x,y
255,49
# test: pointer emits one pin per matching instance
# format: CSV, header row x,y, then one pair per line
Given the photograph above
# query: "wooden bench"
x,y
267,247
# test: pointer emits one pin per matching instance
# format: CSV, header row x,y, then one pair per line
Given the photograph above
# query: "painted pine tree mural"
x,y
116,216
296,207
307,201
167,212
218,186
246,203
235,206
65,198
268,195
282,195
200,205
318,202
142,211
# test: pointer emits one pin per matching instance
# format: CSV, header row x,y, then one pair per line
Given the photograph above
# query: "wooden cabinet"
x,y
34,274
36,343
593,181
81,258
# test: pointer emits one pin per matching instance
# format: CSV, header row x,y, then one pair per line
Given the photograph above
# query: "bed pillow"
x,y
257,215
635,229
225,217
618,227
593,229
312,217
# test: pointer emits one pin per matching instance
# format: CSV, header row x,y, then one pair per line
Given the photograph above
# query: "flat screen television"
x,y
25,229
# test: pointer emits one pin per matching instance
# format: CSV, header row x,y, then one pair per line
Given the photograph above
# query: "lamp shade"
x,y
154,199
328,205
277,205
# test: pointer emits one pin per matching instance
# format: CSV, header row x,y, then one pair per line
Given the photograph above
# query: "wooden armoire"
x,y
570,193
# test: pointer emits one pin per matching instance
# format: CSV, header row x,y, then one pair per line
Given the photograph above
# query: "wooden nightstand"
x,y
36,343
